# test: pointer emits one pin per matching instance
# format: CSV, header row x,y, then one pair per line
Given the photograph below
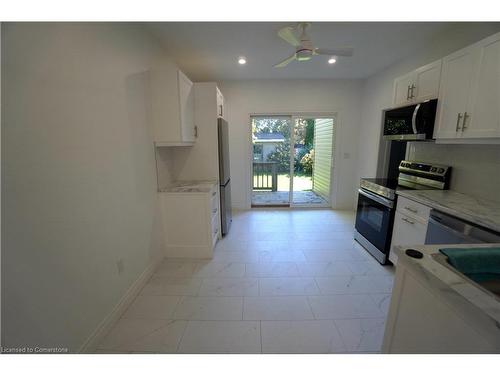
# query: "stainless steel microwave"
x,y
411,123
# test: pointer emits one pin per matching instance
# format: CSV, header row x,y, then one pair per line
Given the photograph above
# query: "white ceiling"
x,y
209,51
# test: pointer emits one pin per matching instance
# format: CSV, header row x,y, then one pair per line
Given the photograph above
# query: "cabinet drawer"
x,y
411,208
406,231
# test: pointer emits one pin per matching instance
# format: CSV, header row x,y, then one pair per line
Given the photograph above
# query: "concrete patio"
x,y
265,198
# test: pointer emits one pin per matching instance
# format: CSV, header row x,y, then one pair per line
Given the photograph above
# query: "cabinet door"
x,y
186,103
421,320
454,91
406,231
483,119
426,82
402,86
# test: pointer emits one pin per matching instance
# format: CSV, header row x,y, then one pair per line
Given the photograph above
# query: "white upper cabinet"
x,y
426,80
455,88
484,119
419,85
402,87
186,97
469,96
172,105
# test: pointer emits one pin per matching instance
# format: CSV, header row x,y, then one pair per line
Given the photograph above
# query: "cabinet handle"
x,y
413,87
214,211
196,132
466,116
411,209
214,193
408,93
459,117
220,114
407,220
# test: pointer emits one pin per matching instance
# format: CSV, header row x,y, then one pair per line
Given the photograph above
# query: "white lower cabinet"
x,y
422,320
410,225
191,223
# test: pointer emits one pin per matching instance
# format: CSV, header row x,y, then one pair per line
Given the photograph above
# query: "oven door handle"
x,y
383,201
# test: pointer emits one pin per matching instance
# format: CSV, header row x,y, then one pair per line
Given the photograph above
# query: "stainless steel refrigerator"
x,y
224,175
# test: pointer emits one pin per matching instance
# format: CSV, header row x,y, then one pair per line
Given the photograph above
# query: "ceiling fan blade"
x,y
285,62
334,51
288,36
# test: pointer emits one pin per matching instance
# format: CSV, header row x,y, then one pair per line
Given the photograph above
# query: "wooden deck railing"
x,y
265,176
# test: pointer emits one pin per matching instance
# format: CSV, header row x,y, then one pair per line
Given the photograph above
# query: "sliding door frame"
x,y
334,163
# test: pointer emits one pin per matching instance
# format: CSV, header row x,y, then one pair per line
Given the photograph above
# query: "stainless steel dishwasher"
x,y
447,229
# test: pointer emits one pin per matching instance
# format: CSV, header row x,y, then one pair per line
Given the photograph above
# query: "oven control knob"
x,y
440,170
433,169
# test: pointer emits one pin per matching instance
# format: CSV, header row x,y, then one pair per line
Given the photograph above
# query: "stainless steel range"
x,y
377,203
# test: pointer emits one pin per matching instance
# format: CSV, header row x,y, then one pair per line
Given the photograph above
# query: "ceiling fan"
x,y
304,49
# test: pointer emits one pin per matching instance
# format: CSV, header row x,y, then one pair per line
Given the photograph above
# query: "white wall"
x,y
244,98
79,182
378,89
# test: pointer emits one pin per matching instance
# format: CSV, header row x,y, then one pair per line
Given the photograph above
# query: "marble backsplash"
x,y
476,168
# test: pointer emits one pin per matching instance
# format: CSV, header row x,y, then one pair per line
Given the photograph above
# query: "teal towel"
x,y
480,264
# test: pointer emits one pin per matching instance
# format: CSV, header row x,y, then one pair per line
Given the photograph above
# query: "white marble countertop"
x,y
195,186
452,282
482,212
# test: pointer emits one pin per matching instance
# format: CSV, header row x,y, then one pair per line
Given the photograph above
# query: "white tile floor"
x,y
282,281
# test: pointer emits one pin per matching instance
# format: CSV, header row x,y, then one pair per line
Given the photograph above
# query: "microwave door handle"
x,y
414,119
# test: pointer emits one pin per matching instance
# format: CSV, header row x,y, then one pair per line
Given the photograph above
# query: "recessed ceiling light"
x,y
332,60
242,60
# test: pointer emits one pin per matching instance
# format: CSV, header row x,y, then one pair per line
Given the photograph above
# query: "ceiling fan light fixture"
x,y
242,60
332,60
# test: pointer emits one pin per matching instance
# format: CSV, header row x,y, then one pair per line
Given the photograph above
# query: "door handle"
x,y
459,117
466,116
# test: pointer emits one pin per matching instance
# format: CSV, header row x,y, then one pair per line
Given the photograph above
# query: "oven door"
x,y
374,219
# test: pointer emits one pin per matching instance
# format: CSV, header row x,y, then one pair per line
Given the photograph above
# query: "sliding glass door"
x,y
292,160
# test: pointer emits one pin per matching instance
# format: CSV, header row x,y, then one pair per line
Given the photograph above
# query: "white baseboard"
x,y
90,345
